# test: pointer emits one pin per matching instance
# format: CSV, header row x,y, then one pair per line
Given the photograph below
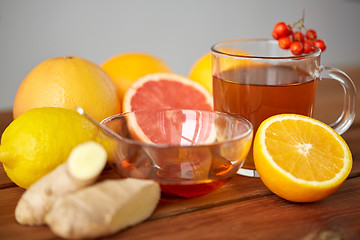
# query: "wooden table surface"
x,y
242,209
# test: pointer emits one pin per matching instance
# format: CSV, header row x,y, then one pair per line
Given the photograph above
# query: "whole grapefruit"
x,y
68,82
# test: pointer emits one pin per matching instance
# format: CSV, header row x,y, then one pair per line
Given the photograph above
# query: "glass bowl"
x,y
189,152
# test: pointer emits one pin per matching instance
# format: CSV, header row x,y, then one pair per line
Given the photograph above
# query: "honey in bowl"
x,y
192,153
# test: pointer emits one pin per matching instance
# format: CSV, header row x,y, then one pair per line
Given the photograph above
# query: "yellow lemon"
x,y
299,158
125,68
68,82
39,140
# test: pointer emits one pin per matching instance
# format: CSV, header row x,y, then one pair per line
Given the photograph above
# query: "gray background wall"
x,y
179,32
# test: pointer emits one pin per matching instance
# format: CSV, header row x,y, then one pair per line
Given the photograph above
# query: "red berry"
x,y
308,48
275,36
285,42
298,36
320,44
281,30
311,34
290,29
296,48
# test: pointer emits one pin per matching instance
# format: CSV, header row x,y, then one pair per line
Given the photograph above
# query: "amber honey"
x,y
190,190
182,175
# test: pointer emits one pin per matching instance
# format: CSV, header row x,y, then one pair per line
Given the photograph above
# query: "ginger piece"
x,y
83,166
103,208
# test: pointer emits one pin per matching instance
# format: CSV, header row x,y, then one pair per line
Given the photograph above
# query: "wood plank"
x,y
9,228
264,216
238,190
268,217
5,181
352,138
5,120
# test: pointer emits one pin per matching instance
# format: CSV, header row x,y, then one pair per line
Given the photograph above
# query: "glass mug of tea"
x,y
256,79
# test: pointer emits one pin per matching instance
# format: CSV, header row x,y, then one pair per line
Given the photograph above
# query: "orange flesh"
x,y
314,148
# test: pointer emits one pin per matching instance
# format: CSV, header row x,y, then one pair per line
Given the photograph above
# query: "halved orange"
x,y
300,158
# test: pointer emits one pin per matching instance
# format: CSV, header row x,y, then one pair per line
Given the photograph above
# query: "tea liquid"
x,y
258,92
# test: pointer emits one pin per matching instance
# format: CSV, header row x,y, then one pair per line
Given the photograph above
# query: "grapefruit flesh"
x,y
175,127
164,91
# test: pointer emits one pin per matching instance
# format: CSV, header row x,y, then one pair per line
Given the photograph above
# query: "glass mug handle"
x,y
343,123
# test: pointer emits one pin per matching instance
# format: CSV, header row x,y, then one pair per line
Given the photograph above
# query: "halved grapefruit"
x,y
166,91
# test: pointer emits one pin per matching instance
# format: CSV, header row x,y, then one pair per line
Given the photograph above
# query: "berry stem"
x,y
300,21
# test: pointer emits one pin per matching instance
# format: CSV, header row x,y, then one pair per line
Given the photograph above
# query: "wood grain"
x,y
266,217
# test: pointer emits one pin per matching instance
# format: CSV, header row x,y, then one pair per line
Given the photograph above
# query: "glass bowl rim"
x,y
160,145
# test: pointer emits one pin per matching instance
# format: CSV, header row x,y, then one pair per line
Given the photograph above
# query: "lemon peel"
x,y
39,140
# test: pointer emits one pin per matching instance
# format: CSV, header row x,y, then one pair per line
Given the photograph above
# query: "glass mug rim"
x,y
215,50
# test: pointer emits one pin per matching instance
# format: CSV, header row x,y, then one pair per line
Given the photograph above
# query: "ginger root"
x,y
103,208
82,168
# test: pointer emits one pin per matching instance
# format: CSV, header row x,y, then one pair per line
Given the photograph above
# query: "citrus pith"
x,y
299,158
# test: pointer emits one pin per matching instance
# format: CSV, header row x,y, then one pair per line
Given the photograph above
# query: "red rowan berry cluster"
x,y
292,36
